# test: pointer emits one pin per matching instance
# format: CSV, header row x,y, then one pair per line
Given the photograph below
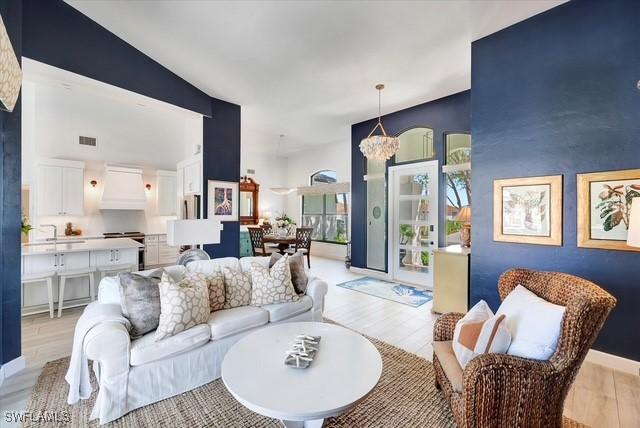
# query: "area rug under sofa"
x,y
405,397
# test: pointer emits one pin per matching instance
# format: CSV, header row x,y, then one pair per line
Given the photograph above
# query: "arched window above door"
x,y
416,144
324,177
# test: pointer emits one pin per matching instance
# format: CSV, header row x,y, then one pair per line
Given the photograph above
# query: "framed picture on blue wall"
x,y
604,208
222,200
528,210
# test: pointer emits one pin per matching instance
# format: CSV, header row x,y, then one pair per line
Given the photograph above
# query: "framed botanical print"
x,y
604,206
528,210
222,200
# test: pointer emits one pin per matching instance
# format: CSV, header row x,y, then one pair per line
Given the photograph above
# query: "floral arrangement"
x,y
283,220
26,225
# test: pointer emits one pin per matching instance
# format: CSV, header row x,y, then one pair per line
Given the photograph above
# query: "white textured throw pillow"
x,y
272,285
237,286
183,304
534,323
480,332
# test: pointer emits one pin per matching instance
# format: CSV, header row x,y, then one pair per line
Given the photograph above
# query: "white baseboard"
x,y
370,272
12,367
614,362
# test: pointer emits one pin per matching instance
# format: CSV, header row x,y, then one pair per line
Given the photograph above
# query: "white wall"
x,y
301,165
146,136
259,154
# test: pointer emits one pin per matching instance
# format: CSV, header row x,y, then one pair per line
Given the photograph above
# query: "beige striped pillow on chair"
x,y
480,332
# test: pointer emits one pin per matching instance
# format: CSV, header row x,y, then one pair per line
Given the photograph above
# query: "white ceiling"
x,y
308,69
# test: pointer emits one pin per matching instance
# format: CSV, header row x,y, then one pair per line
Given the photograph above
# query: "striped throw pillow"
x,y
480,332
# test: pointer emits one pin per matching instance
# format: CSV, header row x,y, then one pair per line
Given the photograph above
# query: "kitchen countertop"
x,y
87,245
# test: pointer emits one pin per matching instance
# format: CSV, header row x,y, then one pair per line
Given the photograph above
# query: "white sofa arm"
x,y
108,342
317,289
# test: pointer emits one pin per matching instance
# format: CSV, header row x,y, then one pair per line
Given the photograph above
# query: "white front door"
x,y
413,222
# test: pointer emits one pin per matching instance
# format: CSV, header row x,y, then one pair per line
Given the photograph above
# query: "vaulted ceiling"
x,y
308,69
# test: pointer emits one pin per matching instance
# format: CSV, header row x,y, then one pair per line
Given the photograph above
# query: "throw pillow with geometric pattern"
x,y
216,291
237,288
272,285
183,304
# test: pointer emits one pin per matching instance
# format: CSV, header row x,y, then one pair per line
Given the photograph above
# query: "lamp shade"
x,y
633,234
465,214
197,231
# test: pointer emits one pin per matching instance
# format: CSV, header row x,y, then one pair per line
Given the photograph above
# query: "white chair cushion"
x,y
246,262
534,323
209,267
145,349
231,321
282,311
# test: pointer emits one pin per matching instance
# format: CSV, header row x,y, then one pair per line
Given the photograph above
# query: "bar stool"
x,y
79,273
40,277
112,270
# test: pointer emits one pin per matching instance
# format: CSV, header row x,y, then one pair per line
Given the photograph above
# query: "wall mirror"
x,y
249,197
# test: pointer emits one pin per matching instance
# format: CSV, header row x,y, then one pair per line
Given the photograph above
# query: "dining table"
x,y
284,242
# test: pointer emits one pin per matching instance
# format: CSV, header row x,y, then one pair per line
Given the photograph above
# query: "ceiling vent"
x,y
88,141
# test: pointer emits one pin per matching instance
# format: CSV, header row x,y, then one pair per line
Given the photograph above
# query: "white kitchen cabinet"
x,y
73,191
60,188
166,193
158,252
106,258
192,178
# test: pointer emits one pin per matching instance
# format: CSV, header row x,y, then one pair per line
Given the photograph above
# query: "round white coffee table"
x,y
345,371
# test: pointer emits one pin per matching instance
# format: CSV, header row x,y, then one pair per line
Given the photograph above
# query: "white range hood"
x,y
123,189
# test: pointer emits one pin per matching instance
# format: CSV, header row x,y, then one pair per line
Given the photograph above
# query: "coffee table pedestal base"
x,y
317,423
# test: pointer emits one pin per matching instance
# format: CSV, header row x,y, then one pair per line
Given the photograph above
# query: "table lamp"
x,y
633,234
193,232
465,233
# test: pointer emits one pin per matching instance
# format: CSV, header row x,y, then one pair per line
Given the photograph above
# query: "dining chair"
x,y
256,234
303,243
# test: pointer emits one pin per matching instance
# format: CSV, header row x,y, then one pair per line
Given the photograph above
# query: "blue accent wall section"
x,y
59,35
448,114
10,210
556,94
221,161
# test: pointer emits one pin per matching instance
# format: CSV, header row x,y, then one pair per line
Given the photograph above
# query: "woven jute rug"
x,y
404,397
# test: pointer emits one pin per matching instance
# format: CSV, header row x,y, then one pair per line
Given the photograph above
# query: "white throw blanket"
x,y
78,374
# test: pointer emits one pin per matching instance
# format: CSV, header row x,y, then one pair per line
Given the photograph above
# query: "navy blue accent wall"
x,y
59,35
222,132
556,94
10,211
448,114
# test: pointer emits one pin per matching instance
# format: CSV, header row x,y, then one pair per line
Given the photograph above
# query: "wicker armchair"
x,y
500,390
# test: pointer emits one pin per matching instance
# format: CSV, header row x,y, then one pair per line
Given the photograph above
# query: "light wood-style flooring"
x,y
600,397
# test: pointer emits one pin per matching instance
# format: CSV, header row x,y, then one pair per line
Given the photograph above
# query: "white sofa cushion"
x,y
209,267
145,349
231,321
183,304
246,262
282,311
534,323
272,285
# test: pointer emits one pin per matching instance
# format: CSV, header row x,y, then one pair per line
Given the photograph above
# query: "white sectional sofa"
x,y
134,373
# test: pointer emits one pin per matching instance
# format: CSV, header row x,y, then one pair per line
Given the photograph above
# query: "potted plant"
x,y
26,227
284,224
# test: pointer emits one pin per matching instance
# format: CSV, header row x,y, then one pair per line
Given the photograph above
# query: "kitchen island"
x,y
70,256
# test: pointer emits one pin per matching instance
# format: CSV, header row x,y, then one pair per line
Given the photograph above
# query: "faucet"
x,y
55,231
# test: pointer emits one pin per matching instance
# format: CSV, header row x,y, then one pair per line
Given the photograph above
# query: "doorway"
x,y
413,225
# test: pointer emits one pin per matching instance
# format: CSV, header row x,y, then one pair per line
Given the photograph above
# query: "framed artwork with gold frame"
x,y
604,205
528,210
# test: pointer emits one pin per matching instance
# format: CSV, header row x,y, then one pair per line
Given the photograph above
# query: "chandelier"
x,y
379,147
